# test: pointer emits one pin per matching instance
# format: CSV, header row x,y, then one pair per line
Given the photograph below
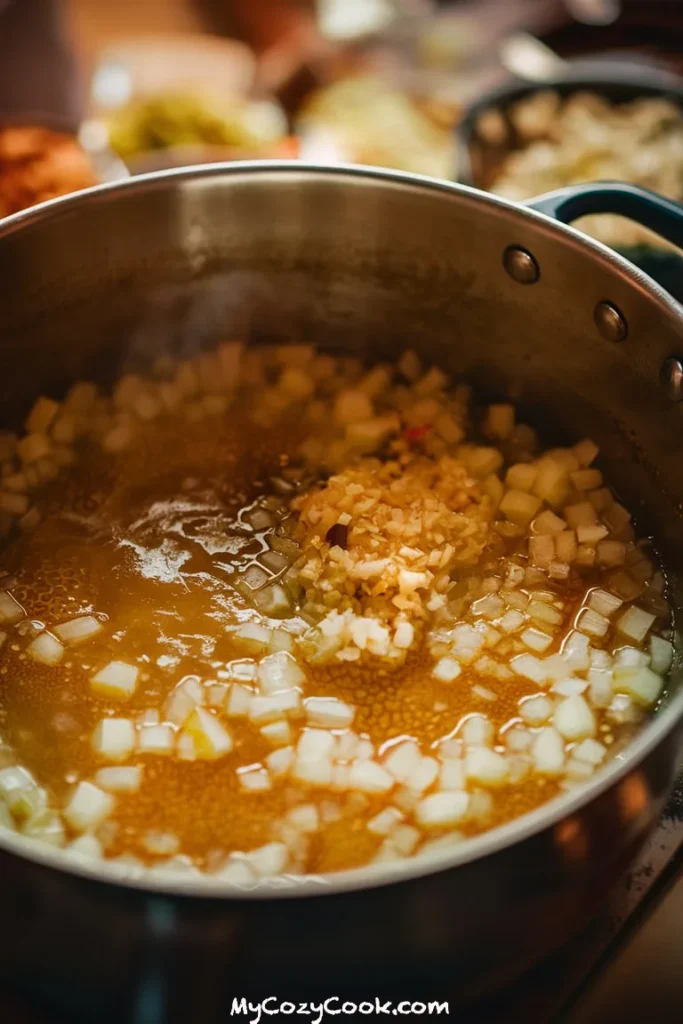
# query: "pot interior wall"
x,y
108,282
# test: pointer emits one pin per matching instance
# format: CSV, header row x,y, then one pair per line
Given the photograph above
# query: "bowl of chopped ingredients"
x,y
341,582
598,120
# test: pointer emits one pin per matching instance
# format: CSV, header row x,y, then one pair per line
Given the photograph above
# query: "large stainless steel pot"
x,y
370,261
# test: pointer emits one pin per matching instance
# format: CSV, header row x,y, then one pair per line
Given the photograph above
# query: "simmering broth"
x,y
272,612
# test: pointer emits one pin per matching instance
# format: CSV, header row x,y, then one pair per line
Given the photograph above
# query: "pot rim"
x,y
478,847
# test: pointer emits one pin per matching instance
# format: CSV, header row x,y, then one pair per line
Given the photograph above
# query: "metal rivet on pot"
x,y
671,379
610,321
521,265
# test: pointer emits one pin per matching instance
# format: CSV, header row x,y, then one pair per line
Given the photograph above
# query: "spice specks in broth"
x,y
272,612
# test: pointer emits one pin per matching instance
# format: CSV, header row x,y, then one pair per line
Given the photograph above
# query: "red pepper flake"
x,y
337,536
416,433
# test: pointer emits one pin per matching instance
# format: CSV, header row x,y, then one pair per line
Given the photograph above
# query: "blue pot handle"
x,y
663,216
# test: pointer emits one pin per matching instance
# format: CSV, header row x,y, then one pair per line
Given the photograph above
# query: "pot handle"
x,y
663,216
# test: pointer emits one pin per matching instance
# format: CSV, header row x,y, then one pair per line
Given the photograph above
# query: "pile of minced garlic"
x,y
408,531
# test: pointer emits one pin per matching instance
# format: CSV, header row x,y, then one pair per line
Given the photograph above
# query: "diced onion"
x,y
485,766
211,739
581,514
574,718
586,452
552,482
439,810
536,710
150,716
489,607
466,642
569,687
252,638
517,739
15,779
185,748
544,614
279,672
385,822
370,777
117,680
512,620
269,860
661,655
617,518
46,649
521,476
586,479
446,670
254,778
477,730
87,807
635,623
305,817
29,803
542,551
423,775
33,447
591,622
328,712
403,760
519,507
313,770
364,750
499,422
404,839
623,709
156,739
279,733
351,406
41,415
576,651
452,774
316,743
640,683
183,700
536,639
120,779
114,739
280,761
239,701
547,752
548,523
590,750
604,603
217,695
600,687
237,871
78,630
281,640
530,667
278,705
404,635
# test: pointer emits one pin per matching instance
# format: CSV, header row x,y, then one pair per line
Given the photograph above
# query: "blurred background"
x,y
92,90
